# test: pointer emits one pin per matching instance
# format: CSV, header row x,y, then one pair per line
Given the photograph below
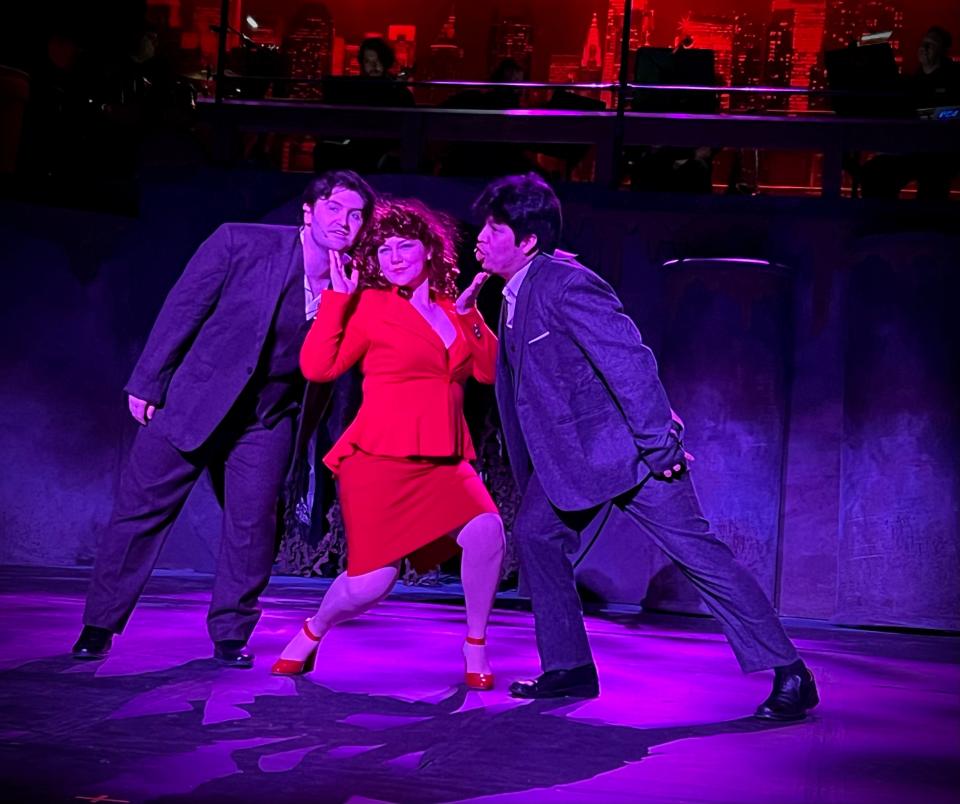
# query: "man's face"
x,y
334,222
498,252
371,64
931,52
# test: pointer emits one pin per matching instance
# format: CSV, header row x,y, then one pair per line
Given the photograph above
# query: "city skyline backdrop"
x,y
776,42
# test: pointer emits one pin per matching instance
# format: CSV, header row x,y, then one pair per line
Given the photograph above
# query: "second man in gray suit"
x,y
587,422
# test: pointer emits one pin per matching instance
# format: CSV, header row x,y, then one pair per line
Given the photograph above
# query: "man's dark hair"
x,y
525,203
946,40
322,186
379,46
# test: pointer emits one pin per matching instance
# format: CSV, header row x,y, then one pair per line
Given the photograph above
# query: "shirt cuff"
x,y
663,458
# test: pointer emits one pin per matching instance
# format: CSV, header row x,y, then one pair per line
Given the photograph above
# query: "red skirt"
x,y
406,507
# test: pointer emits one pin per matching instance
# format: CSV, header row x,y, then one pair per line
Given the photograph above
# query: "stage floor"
x,y
385,717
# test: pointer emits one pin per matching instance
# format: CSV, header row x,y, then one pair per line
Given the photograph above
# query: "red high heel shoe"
x,y
292,667
478,681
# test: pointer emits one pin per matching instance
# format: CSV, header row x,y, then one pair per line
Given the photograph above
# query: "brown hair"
x,y
412,220
322,186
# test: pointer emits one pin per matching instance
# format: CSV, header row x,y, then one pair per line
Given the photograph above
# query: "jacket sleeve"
x,y
592,315
337,339
483,346
186,307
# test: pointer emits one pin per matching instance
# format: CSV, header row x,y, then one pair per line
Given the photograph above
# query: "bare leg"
x,y
482,540
348,596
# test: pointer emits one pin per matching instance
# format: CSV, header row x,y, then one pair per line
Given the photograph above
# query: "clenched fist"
x,y
140,409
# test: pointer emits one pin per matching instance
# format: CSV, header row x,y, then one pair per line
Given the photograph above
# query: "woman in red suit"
x,y
406,487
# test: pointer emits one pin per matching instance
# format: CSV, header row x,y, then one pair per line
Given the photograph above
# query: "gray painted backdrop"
x,y
820,399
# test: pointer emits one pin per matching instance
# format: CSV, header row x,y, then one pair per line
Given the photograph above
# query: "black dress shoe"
x,y
794,694
578,682
93,643
232,653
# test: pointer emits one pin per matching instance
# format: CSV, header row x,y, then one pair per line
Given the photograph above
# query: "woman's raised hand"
x,y
342,279
468,299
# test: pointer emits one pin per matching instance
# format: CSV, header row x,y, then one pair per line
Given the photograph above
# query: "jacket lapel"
x,y
403,314
504,369
520,315
280,266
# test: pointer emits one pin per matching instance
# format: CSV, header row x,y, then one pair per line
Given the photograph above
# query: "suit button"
x,y
249,370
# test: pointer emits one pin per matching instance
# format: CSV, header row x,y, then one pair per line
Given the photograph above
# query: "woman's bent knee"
x,y
484,533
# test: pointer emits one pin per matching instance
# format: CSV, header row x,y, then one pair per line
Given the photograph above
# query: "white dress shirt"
x,y
312,299
512,290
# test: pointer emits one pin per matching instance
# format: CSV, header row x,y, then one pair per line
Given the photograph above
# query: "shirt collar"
x,y
512,289
306,285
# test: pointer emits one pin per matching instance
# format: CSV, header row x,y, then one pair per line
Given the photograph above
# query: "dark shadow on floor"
x,y
60,741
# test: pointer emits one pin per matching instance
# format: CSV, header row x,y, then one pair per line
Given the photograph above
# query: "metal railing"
x,y
610,131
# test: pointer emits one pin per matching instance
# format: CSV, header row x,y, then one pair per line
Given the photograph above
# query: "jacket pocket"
x,y
586,415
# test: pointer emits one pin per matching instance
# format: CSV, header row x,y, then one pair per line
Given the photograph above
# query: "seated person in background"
x,y
935,83
487,158
375,86
508,71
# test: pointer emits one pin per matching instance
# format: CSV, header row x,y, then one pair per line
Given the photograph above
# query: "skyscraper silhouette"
x,y
712,33
591,60
446,55
749,41
512,38
309,48
641,33
403,40
809,22
779,57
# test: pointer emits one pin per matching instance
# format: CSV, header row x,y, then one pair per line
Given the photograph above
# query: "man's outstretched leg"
x,y
153,488
669,513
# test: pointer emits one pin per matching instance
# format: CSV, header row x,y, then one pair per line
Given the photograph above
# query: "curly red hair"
x,y
412,220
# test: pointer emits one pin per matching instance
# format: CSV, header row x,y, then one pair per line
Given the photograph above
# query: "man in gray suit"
x,y
587,422
218,387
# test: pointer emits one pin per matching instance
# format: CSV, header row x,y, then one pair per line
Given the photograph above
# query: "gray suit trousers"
x,y
668,513
247,463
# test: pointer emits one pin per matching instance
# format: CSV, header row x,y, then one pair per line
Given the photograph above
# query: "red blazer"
x,y
412,386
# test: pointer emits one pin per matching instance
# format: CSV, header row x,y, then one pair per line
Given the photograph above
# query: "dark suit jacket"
x,y
207,340
582,405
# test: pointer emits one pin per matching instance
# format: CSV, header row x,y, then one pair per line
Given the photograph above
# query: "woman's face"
x,y
403,261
